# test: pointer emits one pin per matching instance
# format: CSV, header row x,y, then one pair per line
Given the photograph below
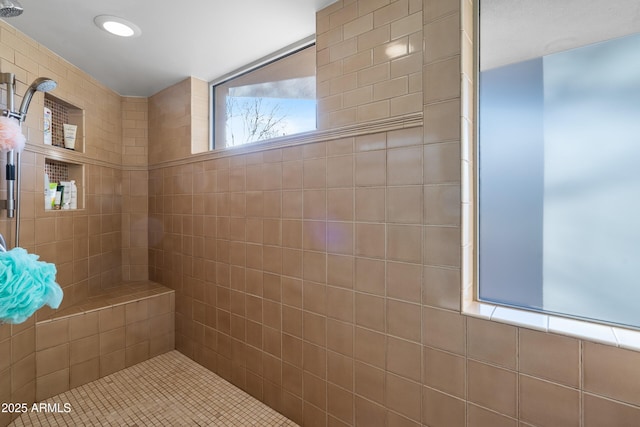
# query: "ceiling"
x,y
525,29
200,38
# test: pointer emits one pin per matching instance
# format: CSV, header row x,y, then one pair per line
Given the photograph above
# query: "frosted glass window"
x,y
559,158
275,99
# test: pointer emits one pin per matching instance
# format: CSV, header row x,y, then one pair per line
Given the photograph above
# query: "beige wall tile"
x,y
340,171
404,281
358,26
22,344
599,412
444,330
52,359
480,417
112,340
546,404
52,333
403,320
404,243
492,342
370,168
405,204
112,362
370,204
403,396
84,349
442,246
340,303
404,358
83,373
370,311
82,326
442,204
111,318
549,356
340,404
52,384
340,204
447,33
370,240
439,409
611,372
340,271
369,347
340,337
492,387
340,370
444,372
369,383
394,11
369,276
404,166
23,372
442,80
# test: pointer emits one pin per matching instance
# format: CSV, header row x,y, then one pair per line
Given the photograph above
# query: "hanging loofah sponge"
x,y
26,284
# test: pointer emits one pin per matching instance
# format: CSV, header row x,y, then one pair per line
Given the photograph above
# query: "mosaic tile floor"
x,y
168,390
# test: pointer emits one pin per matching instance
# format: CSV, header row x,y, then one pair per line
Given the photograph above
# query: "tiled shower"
x,y
321,275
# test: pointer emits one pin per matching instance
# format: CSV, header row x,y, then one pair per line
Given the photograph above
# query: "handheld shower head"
x,y
10,8
42,84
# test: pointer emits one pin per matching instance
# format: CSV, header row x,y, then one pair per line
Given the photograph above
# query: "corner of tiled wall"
x,y
199,116
135,191
170,123
135,128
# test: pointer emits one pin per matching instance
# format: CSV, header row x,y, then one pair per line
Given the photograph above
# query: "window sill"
x,y
609,335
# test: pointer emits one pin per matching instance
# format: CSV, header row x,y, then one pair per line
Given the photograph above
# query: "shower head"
x,y
44,84
10,8
41,84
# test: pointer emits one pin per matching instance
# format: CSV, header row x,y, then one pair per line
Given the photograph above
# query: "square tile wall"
x,y
304,290
325,279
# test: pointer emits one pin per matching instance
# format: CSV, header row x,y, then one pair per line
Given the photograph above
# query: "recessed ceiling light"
x,y
118,26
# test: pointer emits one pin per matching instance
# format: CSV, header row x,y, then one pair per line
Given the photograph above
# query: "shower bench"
x,y
105,333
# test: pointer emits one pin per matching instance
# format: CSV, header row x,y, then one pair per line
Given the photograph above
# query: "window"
x,y
272,98
559,156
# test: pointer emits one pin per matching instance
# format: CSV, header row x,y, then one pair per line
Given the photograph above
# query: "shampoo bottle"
x,y
74,195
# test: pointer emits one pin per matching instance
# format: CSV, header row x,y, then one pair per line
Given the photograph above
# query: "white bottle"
x,y
47,196
74,195
47,126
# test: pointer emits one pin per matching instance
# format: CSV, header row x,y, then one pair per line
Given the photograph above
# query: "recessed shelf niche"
x,y
65,171
62,113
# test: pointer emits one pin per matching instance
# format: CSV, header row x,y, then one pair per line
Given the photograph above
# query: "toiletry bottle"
x,y
74,195
66,195
47,126
57,204
53,186
47,199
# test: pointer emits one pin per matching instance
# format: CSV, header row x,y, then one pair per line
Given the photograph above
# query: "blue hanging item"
x,y
26,285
